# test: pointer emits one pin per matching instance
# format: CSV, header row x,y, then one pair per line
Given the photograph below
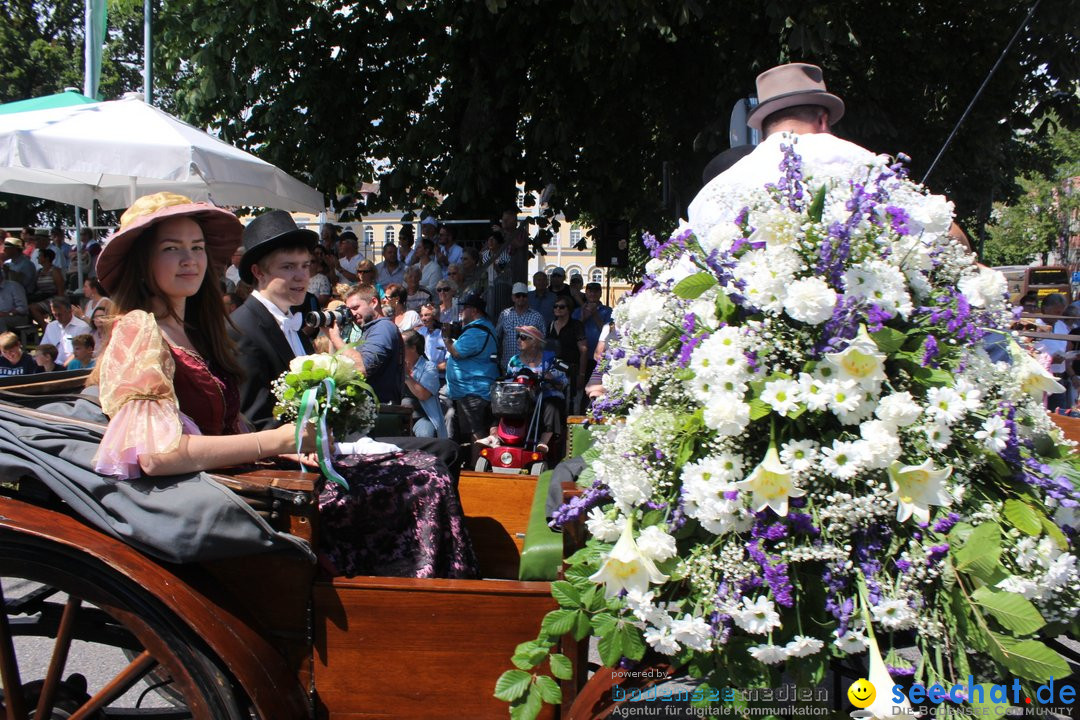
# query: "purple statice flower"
x,y
657,249
790,186
903,566
898,219
774,575
945,524
688,339
876,317
678,516
930,351
935,553
835,604
900,671
1059,487
578,506
802,523
841,327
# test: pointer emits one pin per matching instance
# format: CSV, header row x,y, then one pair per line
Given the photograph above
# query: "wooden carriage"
x,y
269,636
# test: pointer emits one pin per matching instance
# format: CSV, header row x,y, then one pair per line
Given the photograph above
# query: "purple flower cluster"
x,y
774,573
657,248
841,327
876,317
930,351
578,506
953,311
935,553
688,340
1059,487
835,603
945,524
898,219
790,187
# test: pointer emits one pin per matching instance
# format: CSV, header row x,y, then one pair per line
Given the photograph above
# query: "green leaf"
x,y
889,340
561,667
981,551
633,646
726,310
1023,517
817,205
1055,532
557,622
582,626
566,594
759,409
692,287
512,684
549,690
1031,659
987,708
610,648
529,654
604,623
1012,610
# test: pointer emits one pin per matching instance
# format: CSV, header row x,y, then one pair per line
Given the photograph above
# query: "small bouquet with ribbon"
x,y
329,391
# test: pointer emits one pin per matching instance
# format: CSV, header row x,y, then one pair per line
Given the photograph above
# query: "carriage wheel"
x,y
52,591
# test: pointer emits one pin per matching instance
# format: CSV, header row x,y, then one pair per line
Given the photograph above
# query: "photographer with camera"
x,y
471,368
380,353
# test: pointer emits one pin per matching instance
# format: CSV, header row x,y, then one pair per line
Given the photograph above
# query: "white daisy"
x,y
769,654
757,617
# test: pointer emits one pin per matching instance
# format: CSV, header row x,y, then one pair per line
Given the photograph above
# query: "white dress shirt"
x,y
290,324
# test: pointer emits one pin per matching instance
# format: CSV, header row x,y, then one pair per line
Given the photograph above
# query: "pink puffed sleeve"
x,y
136,392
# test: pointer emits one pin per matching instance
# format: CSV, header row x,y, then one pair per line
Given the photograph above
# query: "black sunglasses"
x,y
560,307
523,336
521,294
442,289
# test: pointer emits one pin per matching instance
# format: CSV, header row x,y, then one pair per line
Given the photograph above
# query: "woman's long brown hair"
x,y
204,312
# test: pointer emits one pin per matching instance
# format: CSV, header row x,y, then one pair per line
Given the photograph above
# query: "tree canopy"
x,y
467,97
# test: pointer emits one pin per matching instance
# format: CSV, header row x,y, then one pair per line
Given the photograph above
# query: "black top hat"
x,y
272,231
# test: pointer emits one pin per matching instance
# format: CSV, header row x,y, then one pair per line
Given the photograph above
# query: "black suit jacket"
x,y
264,354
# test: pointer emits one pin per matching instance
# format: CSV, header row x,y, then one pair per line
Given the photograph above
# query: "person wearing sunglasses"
x,y
531,355
448,306
517,315
569,334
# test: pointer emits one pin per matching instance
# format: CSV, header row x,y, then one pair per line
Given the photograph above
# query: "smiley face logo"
x,y
861,693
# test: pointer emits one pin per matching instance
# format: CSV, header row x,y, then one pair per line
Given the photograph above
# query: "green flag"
x,y
95,43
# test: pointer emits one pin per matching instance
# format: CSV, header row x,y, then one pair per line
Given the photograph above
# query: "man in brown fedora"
x,y
793,106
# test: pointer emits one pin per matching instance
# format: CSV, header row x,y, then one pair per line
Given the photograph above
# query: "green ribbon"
x,y
309,404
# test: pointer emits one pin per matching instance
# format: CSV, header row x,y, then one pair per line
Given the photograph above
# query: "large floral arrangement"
x,y
821,440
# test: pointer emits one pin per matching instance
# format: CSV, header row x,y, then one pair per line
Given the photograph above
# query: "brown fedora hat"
x,y
789,85
221,229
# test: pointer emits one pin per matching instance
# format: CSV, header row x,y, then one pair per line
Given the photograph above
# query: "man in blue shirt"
x,y
471,369
594,315
541,299
380,347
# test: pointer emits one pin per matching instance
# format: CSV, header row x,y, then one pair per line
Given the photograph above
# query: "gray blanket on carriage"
x,y
177,519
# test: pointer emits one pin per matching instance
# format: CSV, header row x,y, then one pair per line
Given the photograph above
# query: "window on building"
x,y
596,275
389,235
369,236
521,197
575,234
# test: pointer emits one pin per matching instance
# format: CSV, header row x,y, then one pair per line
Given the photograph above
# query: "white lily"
x,y
1034,379
883,707
860,361
626,567
771,483
916,487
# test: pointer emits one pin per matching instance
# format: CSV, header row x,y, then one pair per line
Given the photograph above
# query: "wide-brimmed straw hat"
x,y
221,229
789,85
532,331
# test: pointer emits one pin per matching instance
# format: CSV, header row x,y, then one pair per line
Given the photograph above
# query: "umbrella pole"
x,y
78,247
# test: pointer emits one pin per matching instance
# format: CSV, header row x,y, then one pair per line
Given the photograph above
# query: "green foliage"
x,y
695,285
465,98
1013,611
1045,215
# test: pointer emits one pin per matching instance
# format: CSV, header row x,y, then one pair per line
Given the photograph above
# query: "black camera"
x,y
341,317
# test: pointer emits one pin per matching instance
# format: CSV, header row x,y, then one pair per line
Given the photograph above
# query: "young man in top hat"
x,y
277,261
792,101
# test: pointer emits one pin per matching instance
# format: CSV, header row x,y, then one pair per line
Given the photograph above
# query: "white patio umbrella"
x,y
115,151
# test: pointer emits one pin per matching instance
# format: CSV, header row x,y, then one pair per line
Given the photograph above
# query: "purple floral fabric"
x,y
400,517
